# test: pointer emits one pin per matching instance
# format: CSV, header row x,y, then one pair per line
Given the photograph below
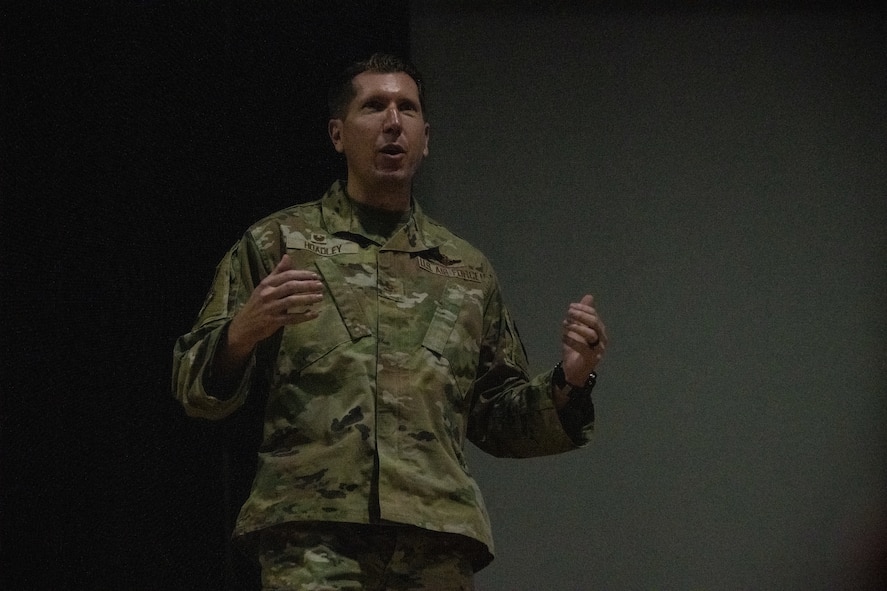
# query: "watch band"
x,y
559,379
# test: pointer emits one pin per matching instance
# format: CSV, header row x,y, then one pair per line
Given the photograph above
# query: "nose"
x,y
392,120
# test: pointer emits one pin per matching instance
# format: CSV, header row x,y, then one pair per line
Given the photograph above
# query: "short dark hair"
x,y
342,91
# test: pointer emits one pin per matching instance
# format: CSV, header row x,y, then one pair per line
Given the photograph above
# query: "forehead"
x,y
395,84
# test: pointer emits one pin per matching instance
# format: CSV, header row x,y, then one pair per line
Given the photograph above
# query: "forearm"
x,y
229,363
520,419
195,383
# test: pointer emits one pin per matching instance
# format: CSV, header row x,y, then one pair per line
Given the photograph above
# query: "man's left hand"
x,y
584,341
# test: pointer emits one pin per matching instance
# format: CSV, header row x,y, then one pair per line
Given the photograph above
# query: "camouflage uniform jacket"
x,y
412,354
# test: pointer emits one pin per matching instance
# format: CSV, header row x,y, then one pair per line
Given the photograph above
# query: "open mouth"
x,y
392,150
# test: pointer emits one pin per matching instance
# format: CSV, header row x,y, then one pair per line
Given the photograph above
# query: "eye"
x,y
408,107
373,105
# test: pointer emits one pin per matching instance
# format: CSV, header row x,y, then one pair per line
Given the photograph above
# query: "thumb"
x,y
587,300
285,264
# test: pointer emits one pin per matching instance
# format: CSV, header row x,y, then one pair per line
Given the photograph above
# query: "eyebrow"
x,y
385,97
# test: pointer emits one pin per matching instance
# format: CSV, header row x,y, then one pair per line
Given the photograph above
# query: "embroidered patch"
x,y
321,244
454,272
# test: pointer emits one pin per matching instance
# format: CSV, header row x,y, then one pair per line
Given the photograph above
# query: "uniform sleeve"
x,y
513,414
236,276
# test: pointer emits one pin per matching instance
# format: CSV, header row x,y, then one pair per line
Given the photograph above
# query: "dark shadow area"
x,y
140,139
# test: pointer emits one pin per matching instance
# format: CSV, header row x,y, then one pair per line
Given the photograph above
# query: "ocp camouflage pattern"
x,y
413,353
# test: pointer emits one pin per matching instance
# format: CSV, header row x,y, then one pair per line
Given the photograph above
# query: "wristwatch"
x,y
560,380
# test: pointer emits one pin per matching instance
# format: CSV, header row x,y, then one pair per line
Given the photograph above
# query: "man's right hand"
x,y
282,298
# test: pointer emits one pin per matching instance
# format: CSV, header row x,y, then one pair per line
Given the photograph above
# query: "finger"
x,y
586,304
587,333
582,316
276,277
299,280
580,345
311,279
292,294
301,303
300,317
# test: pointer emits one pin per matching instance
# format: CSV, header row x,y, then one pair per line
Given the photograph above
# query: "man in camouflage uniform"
x,y
382,343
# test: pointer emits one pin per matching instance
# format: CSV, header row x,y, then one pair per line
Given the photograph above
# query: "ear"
x,y
335,131
427,134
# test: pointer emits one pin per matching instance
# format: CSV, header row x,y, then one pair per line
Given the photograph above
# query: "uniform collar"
x,y
339,216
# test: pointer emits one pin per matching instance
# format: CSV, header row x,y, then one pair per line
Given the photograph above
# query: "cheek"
x,y
358,134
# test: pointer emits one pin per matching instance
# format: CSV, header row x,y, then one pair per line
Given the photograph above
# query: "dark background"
x,y
140,139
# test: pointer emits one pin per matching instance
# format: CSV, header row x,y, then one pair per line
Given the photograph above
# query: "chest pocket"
x,y
345,300
341,320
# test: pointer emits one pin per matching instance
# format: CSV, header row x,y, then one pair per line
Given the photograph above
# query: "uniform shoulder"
x,y
447,237
294,215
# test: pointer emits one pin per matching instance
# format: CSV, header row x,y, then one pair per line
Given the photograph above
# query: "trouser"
x,y
332,557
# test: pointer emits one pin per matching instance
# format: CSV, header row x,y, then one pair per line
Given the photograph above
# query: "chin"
x,y
394,176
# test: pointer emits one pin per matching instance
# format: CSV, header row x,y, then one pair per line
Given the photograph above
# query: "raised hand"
x,y
584,340
282,298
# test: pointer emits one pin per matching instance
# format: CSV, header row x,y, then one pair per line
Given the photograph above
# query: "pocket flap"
x,y
344,298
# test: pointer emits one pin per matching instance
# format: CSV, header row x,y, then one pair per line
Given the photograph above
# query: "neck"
x,y
395,198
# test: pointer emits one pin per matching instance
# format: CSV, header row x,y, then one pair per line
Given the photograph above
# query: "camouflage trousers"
x,y
333,557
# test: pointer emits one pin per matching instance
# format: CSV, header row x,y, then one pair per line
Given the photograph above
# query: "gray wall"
x,y
716,179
